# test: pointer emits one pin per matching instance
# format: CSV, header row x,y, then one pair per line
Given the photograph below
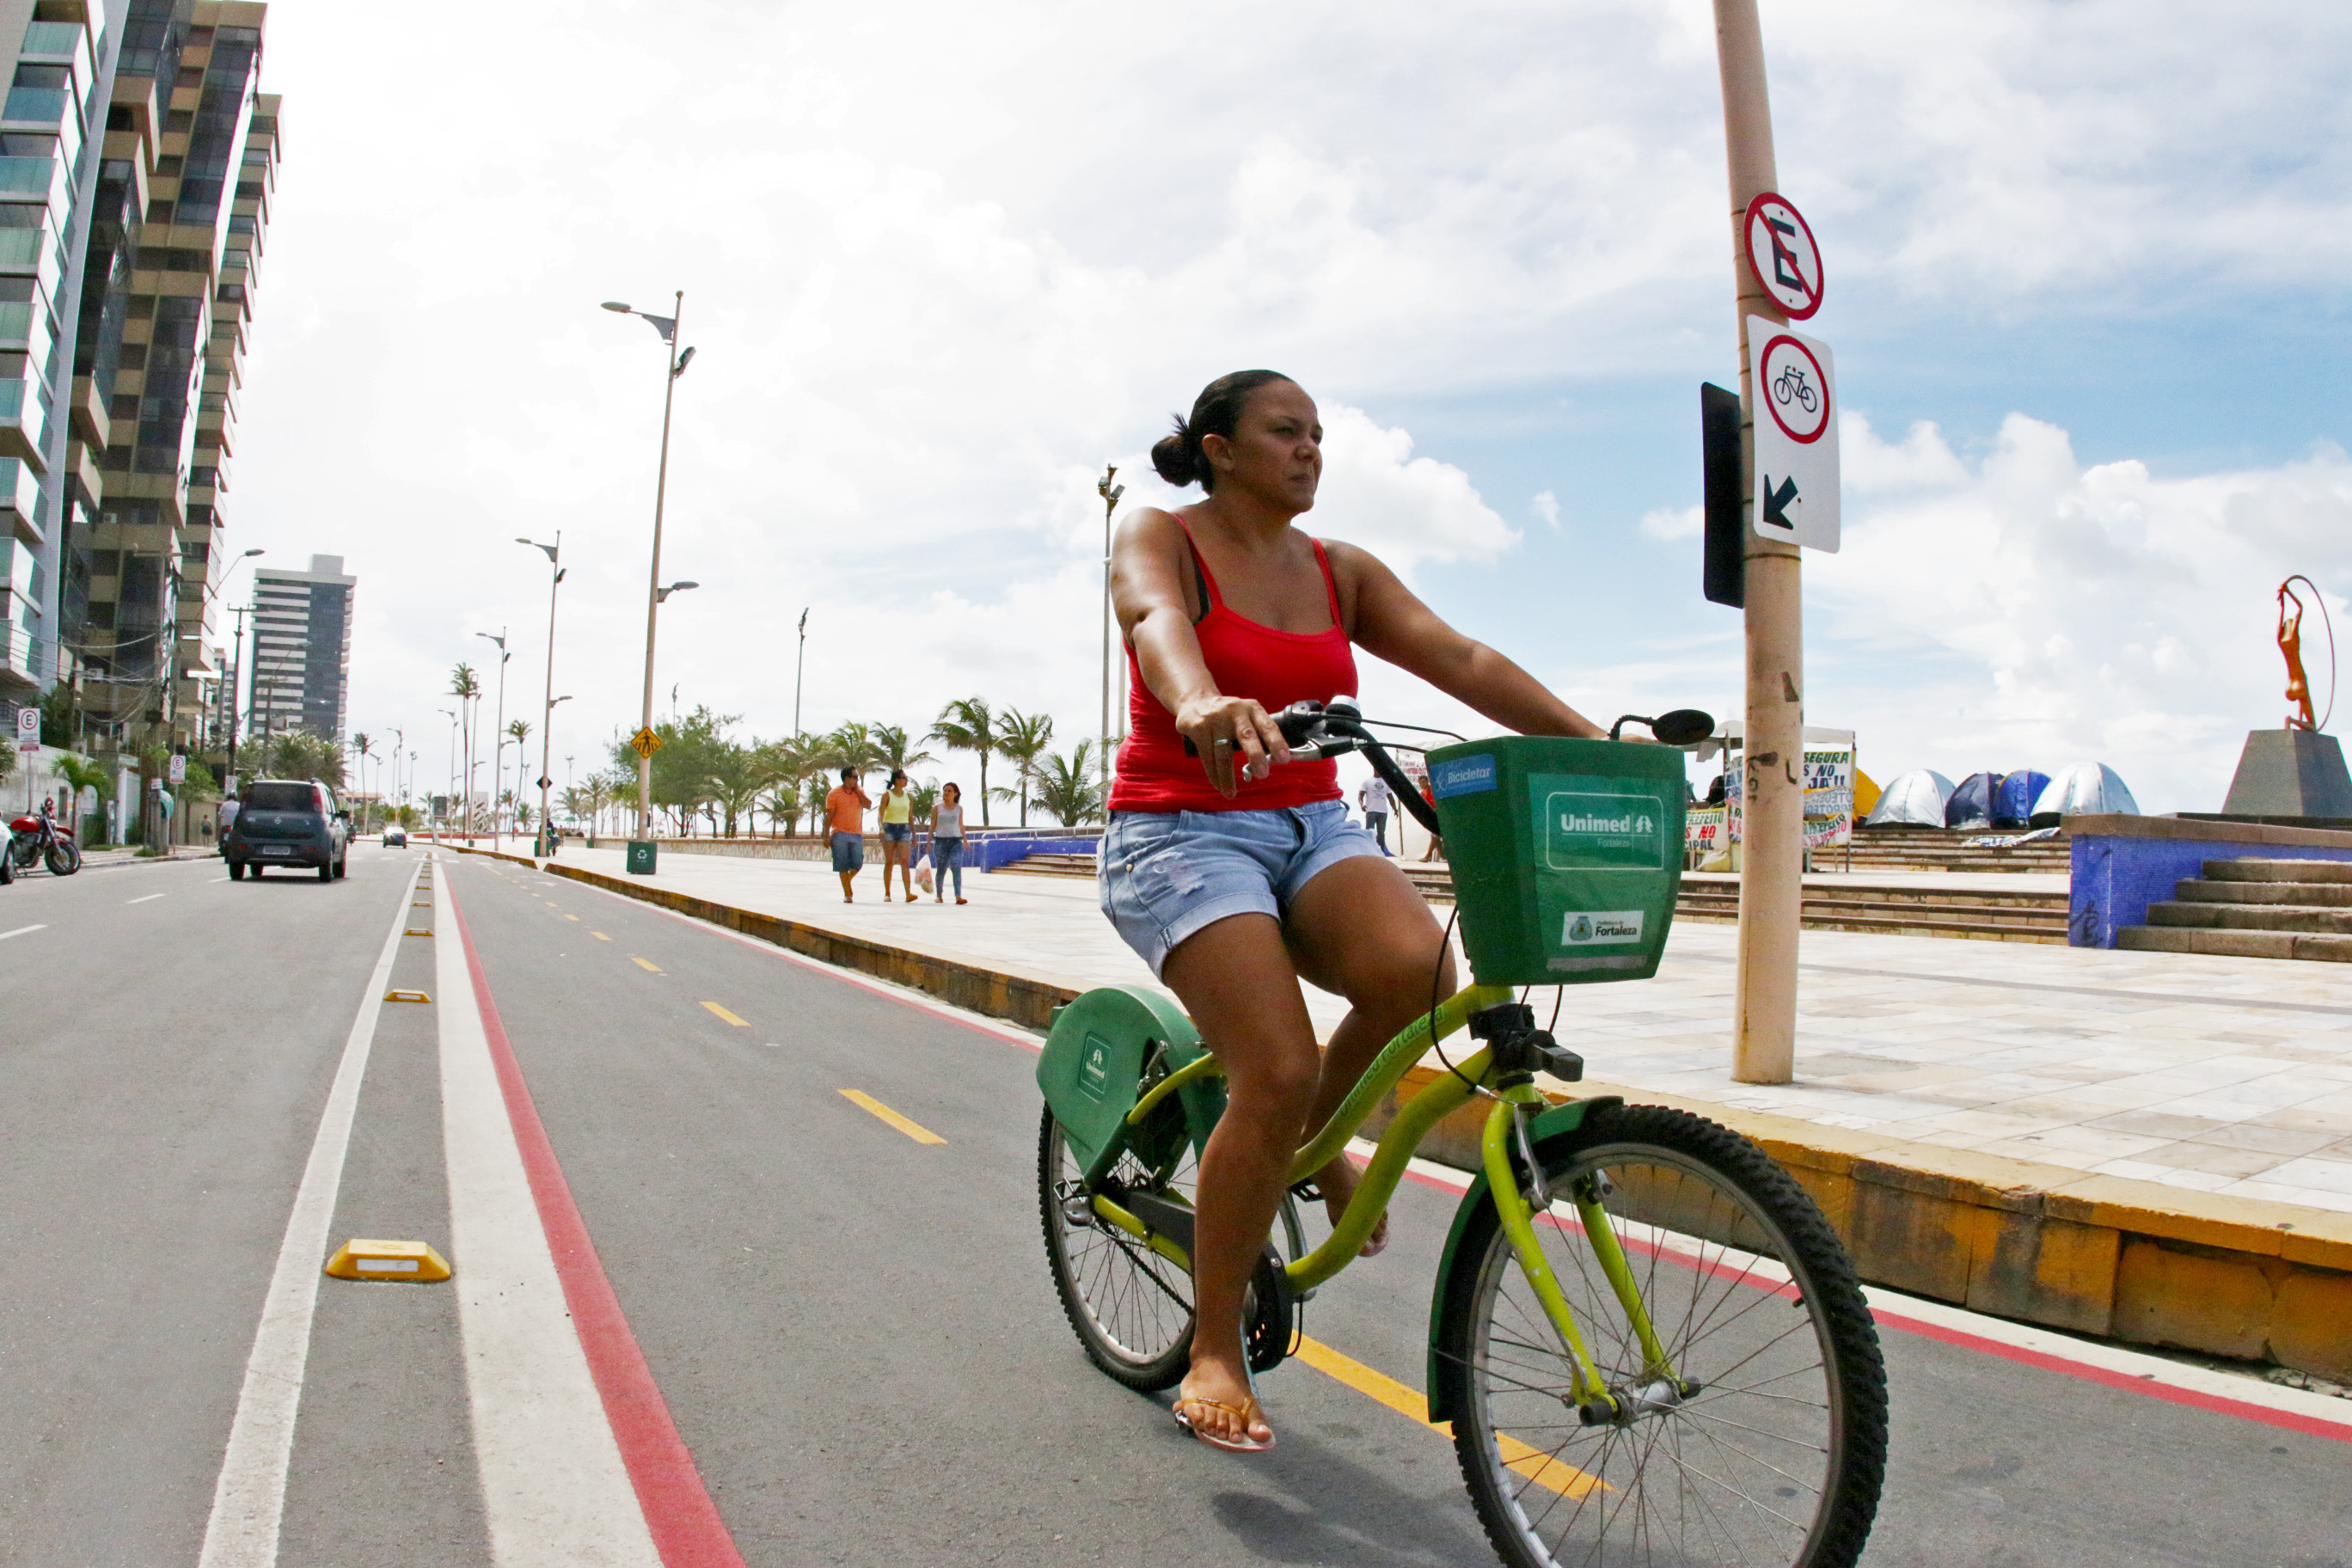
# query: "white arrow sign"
x,y
1795,415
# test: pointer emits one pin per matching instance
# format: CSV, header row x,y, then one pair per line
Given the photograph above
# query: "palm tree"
x,y
967,724
518,732
80,773
890,745
465,687
361,744
851,746
1068,788
1023,737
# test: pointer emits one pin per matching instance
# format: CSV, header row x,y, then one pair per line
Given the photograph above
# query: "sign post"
x,y
1772,807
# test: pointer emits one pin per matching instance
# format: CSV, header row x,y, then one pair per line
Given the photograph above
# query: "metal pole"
x,y
498,739
799,662
1772,808
653,580
547,716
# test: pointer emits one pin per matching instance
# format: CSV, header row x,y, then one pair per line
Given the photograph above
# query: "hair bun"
x,y
1176,457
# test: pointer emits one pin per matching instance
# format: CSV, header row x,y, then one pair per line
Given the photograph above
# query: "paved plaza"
x,y
2221,1075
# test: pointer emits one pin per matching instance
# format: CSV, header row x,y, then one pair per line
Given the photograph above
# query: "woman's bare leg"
x,y
1236,980
1361,931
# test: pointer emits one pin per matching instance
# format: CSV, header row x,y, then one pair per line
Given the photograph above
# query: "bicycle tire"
x,y
1132,1309
1726,1232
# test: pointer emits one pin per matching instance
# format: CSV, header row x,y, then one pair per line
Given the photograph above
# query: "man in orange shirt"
x,y
844,815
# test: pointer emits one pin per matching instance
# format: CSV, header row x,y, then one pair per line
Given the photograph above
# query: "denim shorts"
x,y
1165,875
848,852
897,832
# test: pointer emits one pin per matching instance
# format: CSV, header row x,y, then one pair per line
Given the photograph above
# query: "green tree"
x,y
691,753
466,687
891,747
736,780
299,755
1068,789
923,797
81,773
1023,738
967,724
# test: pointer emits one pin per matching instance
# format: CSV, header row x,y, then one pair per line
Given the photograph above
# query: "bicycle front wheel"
x,y
1132,1309
1766,1446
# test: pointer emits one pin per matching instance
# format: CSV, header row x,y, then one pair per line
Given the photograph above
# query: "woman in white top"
x,y
947,842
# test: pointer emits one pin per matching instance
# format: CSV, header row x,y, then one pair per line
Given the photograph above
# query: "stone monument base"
x,y
2289,776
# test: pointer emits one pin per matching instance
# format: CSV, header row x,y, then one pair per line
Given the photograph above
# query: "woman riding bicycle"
x,y
1235,879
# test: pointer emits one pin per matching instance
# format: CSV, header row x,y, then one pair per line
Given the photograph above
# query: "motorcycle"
x,y
34,840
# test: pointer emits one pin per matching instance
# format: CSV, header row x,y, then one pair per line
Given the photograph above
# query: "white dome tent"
x,y
2084,788
1915,799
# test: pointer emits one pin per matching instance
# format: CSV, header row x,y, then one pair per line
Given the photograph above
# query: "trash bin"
x,y
1565,854
641,854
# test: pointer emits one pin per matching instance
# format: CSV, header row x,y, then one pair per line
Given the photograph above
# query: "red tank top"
x,y
1245,659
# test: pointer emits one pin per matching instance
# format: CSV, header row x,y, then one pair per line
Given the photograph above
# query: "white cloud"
x,y
1672,522
1546,506
2025,610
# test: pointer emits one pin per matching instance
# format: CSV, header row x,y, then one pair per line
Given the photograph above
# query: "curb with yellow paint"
x,y
2110,1256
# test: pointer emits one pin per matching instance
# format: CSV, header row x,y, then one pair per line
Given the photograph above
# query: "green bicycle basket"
x,y
1565,854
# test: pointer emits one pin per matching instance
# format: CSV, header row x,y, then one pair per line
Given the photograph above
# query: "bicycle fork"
x,y
1597,1403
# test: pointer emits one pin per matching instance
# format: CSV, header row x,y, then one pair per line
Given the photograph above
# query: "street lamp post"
x,y
547,721
498,737
666,326
1111,494
453,769
799,663
237,665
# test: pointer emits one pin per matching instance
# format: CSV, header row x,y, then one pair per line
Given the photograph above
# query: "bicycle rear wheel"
x,y
1132,1309
1774,1458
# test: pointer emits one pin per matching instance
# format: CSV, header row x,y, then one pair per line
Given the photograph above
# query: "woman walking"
x,y
1235,879
896,814
947,842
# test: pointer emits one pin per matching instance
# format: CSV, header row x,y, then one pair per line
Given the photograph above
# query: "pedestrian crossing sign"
x,y
645,743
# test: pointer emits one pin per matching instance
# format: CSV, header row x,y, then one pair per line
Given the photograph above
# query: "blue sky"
x,y
2086,286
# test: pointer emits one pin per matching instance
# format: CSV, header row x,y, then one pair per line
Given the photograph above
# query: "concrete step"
x,y
2235,944
2209,916
2337,872
2309,895
1051,866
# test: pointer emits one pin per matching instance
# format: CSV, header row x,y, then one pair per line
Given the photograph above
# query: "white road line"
x,y
148,899
249,1500
20,931
553,1487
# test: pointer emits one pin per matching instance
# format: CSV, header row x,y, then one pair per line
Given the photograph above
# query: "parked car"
x,y
287,822
395,838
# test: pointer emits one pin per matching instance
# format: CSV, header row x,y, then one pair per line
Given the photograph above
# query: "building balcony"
x,y
19,660
23,431
35,180
20,502
91,422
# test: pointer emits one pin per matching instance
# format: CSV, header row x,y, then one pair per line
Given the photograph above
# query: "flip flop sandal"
x,y
1244,1414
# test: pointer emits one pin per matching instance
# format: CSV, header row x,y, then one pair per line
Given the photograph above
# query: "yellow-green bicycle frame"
x,y
1515,1103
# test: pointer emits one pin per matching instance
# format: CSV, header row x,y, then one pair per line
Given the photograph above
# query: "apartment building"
x,y
302,648
177,211
56,52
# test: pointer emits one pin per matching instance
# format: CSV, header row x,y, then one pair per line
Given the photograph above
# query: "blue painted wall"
x,y
2115,879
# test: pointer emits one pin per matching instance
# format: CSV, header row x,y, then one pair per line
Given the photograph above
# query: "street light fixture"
x,y
662,594
673,367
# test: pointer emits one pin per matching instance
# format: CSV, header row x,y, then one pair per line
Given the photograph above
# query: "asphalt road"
x,y
853,1331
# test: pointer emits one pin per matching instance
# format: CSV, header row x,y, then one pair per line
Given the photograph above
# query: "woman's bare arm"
x,y
1147,589
1392,622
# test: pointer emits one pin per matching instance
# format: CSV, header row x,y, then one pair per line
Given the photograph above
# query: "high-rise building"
x,y
177,208
57,54
302,648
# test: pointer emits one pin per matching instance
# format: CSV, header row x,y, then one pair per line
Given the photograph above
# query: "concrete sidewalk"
x,y
2217,1075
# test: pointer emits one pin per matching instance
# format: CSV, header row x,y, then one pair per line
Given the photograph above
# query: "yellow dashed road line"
x,y
914,1130
600,936
1536,1465
726,1015
644,964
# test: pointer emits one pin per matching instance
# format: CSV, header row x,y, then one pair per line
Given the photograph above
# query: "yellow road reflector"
x,y
1540,1467
724,1013
416,931
645,964
407,1262
915,1130
406,997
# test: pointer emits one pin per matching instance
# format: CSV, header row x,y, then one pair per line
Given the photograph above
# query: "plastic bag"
x,y
923,873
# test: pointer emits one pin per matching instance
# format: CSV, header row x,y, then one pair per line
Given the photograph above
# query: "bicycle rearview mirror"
x,y
1683,727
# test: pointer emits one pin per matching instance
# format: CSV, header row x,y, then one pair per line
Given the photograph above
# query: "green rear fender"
x,y
1563,1118
1093,1063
